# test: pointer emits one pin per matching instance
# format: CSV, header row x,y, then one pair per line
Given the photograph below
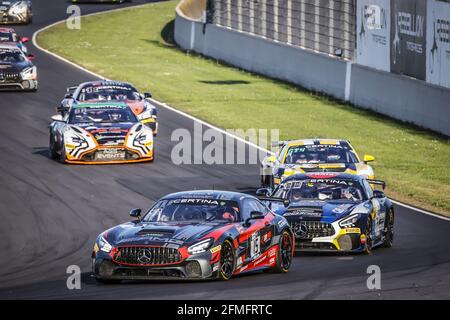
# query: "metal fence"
x,y
326,26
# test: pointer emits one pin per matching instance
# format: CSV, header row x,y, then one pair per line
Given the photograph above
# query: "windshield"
x,y
7,37
321,189
101,115
193,210
11,56
108,93
320,154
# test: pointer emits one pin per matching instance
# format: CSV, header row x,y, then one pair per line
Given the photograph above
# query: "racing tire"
x,y
227,261
62,157
284,253
51,150
369,244
389,230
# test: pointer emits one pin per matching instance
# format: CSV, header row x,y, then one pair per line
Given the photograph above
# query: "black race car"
x,y
17,72
335,212
110,91
15,11
195,235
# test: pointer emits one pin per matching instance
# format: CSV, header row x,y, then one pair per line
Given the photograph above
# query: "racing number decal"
x,y
255,245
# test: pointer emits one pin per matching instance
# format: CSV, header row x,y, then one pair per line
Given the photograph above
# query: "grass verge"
x,y
136,45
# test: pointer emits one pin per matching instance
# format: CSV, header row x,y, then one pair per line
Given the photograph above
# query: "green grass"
x,y
136,45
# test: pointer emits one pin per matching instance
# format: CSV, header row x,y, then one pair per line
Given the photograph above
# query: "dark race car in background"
x,y
10,36
335,212
195,235
17,72
106,91
15,11
100,133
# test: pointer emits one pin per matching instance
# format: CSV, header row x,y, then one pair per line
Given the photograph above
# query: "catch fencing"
x,y
326,26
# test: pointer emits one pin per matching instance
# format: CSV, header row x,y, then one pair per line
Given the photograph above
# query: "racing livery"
x,y
16,11
335,212
96,133
105,90
10,36
313,155
17,72
195,235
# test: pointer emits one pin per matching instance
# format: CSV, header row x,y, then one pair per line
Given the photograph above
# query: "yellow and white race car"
x,y
313,155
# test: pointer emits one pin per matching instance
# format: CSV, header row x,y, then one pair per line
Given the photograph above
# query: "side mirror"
x,y
147,95
58,118
136,213
378,194
31,57
68,96
254,215
368,158
24,39
263,192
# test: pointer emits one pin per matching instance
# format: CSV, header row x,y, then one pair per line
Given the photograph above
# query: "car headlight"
x,y
104,245
18,8
29,73
350,221
201,246
77,141
140,138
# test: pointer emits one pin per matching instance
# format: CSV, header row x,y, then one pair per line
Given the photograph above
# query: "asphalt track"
x,y
51,213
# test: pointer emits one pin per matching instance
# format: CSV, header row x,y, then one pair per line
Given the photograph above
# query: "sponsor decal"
x,y
352,230
304,213
272,252
282,223
216,249
197,201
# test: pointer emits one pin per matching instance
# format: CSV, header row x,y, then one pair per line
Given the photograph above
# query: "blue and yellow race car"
x,y
334,211
313,155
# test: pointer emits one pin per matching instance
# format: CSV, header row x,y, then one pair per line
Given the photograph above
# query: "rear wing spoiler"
x,y
377,182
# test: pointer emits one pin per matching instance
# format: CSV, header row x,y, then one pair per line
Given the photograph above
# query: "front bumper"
x,y
124,155
25,85
6,18
342,240
106,269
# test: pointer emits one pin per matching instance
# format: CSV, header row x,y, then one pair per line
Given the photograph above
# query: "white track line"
x,y
164,105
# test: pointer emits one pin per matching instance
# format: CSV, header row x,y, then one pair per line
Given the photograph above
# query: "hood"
x,y
319,167
136,106
6,4
108,134
15,67
146,233
329,211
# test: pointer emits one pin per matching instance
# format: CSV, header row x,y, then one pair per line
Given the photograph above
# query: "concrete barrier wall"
x,y
396,96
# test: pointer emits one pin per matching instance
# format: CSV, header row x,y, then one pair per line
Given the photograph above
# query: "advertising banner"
x,y
408,37
438,43
373,23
